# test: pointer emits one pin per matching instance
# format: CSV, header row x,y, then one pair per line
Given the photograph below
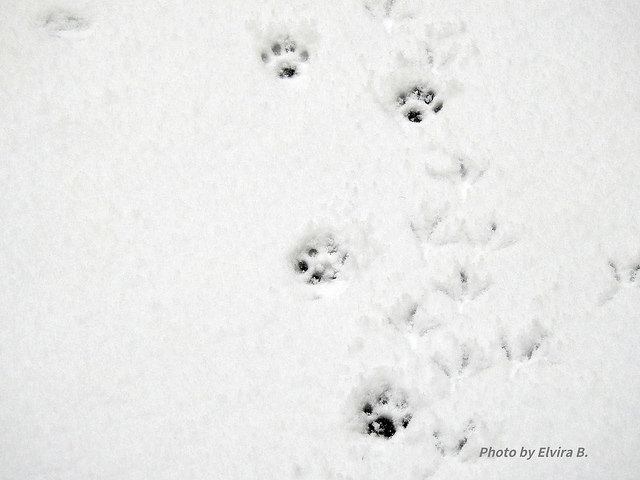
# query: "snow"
x,y
160,180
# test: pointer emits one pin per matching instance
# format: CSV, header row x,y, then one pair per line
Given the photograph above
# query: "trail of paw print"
x,y
416,102
385,413
320,260
285,57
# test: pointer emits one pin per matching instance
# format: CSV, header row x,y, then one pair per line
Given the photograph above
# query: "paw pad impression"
x,y
320,260
286,57
385,413
416,102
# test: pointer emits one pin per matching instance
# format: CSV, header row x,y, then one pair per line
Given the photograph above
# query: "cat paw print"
x,y
385,413
419,101
320,260
285,57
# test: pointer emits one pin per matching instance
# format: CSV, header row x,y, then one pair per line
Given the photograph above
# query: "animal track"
x,y
285,57
455,169
453,358
385,413
525,345
443,222
463,285
629,275
623,274
438,226
411,316
452,443
417,101
449,46
492,234
62,23
320,260
379,7
441,228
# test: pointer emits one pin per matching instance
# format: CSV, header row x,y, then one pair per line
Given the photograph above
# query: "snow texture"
x,y
349,240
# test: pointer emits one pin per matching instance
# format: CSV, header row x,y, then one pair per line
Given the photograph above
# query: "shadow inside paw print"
x,y
386,413
62,23
452,443
320,260
417,101
285,57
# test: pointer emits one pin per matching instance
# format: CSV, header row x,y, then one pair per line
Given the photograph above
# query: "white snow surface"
x,y
158,180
